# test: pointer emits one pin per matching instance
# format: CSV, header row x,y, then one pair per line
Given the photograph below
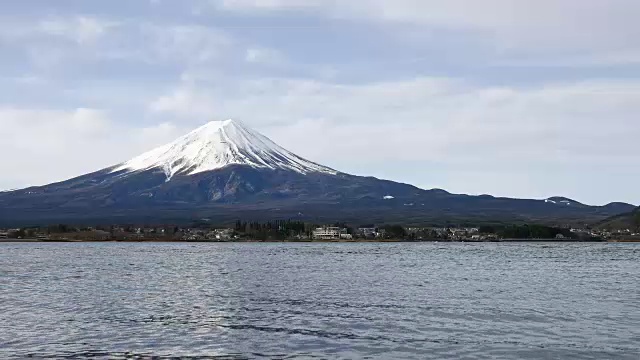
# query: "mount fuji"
x,y
225,170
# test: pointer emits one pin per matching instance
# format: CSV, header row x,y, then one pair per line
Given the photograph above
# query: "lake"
x,y
320,300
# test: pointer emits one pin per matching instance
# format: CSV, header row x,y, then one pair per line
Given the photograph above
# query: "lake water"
x,y
351,301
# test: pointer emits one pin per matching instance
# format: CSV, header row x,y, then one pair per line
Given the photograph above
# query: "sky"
x,y
527,98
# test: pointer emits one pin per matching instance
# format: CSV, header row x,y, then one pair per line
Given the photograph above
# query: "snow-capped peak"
x,y
216,145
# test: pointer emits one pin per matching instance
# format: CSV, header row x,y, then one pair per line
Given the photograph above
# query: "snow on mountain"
x,y
558,200
217,145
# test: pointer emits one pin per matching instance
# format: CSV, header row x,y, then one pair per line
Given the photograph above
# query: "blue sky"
x,y
528,98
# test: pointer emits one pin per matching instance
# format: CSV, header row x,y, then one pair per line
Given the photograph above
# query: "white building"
x,y
330,233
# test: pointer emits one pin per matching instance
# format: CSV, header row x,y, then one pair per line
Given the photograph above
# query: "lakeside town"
x,y
300,231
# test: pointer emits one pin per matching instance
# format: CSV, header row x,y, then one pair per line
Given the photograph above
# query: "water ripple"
x,y
318,301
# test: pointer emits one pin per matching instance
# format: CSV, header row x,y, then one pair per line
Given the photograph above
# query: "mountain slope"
x,y
224,171
628,220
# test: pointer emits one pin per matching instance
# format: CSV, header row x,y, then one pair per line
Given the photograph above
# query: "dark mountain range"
x,y
629,220
224,171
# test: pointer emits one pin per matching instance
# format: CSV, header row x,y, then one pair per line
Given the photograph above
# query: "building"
x,y
220,235
371,232
368,232
330,233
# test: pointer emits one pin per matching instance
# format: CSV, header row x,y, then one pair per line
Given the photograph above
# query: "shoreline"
x,y
319,241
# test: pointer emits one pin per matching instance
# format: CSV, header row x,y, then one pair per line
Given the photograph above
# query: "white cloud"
x,y
27,79
270,4
153,43
81,29
184,43
456,115
62,41
185,102
164,130
263,55
533,27
43,146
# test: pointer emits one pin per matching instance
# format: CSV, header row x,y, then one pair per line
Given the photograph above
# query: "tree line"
x,y
273,230
295,229
526,231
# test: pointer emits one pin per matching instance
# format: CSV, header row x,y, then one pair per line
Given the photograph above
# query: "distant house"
x,y
330,233
368,232
4,235
459,233
224,234
220,235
